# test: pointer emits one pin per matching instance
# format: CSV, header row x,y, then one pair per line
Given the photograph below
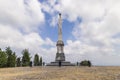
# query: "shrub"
x,y
85,63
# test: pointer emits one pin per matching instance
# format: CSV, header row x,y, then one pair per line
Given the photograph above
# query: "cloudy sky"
x,y
91,28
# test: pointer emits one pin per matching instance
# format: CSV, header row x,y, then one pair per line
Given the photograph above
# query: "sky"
x,y
91,29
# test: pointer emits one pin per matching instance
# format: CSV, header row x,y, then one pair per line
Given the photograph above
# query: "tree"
x,y
18,62
3,59
8,51
11,57
13,64
36,60
40,63
25,57
85,63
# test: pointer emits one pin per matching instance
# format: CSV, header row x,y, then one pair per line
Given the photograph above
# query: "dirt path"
x,y
63,73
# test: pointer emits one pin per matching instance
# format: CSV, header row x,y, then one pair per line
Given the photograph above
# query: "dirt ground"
x,y
63,73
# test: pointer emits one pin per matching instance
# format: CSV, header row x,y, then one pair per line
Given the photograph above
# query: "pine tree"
x,y
8,50
13,64
3,59
36,60
25,57
40,63
11,57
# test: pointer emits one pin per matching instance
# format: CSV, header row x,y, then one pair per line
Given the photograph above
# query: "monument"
x,y
60,56
60,44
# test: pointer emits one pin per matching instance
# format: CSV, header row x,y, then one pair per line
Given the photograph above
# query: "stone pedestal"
x,y
63,63
60,56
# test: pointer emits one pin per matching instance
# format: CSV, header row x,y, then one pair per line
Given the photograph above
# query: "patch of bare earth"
x,y
63,73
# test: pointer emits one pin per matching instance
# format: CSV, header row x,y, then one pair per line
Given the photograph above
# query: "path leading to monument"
x,y
63,73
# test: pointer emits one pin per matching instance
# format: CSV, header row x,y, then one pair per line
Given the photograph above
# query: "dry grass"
x,y
63,73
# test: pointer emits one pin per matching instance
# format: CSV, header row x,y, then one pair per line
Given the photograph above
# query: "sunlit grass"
x,y
63,73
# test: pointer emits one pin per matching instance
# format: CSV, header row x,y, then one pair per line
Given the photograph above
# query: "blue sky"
x,y
52,31
90,28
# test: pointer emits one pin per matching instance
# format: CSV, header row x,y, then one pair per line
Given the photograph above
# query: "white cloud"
x,y
19,24
97,34
97,30
14,38
32,41
22,14
78,51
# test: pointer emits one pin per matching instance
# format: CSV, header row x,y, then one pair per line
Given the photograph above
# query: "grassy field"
x,y
63,73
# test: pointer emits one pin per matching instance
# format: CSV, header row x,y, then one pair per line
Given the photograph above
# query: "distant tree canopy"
x,y
85,63
8,58
25,57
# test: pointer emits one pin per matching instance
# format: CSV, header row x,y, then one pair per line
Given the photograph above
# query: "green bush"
x,y
85,63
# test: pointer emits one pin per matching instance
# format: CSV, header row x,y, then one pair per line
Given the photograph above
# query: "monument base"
x,y
63,63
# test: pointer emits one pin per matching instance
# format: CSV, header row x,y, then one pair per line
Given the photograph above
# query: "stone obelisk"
x,y
60,44
60,56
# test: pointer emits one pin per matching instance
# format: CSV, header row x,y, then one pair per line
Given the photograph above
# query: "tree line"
x,y
8,58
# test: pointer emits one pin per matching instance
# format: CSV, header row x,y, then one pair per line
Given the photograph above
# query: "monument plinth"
x,y
60,56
